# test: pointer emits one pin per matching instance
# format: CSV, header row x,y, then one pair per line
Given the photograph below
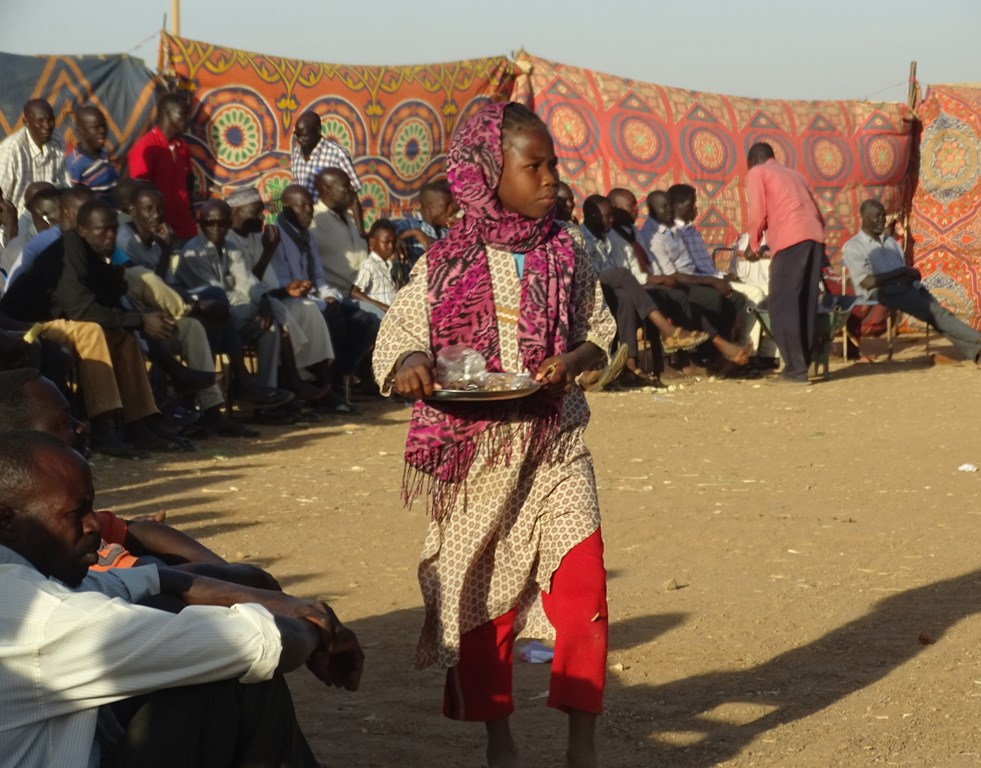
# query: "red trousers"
x,y
479,687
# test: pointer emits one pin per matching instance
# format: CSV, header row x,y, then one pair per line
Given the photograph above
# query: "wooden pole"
x,y
912,101
913,94
175,17
160,46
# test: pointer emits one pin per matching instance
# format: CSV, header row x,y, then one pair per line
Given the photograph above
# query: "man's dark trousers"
x,y
795,274
919,303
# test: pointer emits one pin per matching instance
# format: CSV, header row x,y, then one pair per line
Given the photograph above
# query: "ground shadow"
x,y
641,719
795,684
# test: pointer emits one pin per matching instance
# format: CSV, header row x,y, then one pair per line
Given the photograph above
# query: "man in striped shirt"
x,y
313,152
32,153
88,161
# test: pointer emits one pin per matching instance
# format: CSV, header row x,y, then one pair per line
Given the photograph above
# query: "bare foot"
x,y
731,352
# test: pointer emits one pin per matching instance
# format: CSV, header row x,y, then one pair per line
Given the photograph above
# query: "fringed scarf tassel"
x,y
441,472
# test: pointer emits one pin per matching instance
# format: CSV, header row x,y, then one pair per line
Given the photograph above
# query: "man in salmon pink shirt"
x,y
782,206
162,158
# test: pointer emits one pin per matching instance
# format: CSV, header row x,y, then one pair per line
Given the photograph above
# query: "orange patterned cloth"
x,y
615,132
946,216
396,122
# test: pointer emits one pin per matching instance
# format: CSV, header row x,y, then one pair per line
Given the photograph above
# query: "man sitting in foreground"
x,y
200,687
877,268
32,402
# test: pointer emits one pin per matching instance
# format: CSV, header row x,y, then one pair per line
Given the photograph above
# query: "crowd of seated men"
x,y
165,322
134,293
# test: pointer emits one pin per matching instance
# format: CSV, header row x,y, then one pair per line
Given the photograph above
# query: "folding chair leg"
x,y
889,335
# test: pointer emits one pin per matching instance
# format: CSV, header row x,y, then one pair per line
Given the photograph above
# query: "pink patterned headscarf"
x,y
444,437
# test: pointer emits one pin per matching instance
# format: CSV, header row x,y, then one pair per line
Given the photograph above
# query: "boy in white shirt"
x,y
374,288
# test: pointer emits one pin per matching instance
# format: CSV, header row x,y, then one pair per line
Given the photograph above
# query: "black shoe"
x,y
176,414
112,445
277,417
149,434
106,438
258,394
215,422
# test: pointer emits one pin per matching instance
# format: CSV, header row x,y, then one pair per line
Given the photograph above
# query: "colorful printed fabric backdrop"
x,y
612,132
120,86
395,121
946,216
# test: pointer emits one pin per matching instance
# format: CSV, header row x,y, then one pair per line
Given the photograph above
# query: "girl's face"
x,y
529,182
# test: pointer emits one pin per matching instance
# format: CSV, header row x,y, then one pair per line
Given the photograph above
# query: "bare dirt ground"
x,y
794,572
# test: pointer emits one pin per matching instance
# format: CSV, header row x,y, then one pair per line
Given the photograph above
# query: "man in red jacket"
x,y
163,158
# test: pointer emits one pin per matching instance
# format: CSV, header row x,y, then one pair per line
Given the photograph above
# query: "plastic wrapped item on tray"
x,y
457,366
461,368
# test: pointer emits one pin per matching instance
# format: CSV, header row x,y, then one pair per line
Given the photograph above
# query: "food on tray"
x,y
491,382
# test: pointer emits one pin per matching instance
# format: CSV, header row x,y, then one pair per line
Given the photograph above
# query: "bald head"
x,y
624,204
298,205
307,132
91,129
334,189
40,121
621,198
30,401
436,203
565,202
309,120
295,192
758,154
873,215
19,449
33,188
46,501
597,215
44,208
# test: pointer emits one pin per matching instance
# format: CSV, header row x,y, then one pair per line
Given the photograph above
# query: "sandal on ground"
x,y
611,372
680,341
632,378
